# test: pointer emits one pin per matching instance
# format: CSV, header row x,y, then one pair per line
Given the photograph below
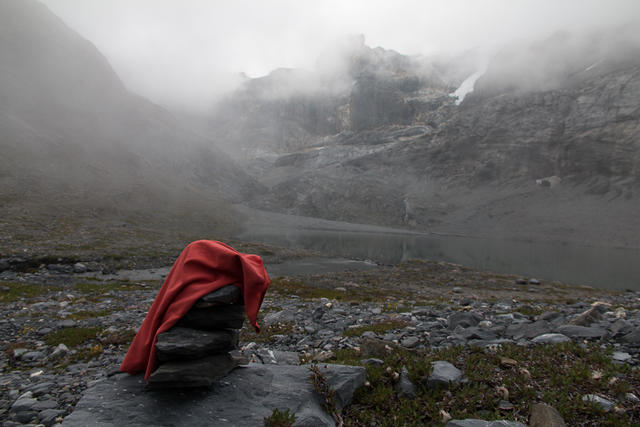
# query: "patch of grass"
x,y
14,291
92,287
280,418
267,333
378,327
71,337
558,375
119,338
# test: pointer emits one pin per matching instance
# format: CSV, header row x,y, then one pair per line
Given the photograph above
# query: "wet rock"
x,y
214,318
192,373
543,415
187,343
258,387
443,375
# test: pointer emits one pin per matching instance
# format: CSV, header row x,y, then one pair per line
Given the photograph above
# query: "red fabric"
x,y
202,267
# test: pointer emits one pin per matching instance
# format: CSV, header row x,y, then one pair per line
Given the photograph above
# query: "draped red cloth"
x,y
202,267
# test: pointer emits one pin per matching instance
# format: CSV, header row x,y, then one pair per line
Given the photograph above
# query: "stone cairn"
x,y
198,350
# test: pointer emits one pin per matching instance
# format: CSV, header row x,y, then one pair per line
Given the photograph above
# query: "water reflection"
x,y
610,268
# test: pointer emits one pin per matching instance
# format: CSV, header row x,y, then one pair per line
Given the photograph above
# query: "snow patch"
x,y
467,85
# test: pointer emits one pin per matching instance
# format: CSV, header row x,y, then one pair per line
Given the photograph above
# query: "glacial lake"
x,y
602,267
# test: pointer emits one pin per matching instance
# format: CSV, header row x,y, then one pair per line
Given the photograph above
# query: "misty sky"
x,y
182,53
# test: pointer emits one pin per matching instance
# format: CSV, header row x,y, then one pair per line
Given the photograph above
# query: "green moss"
x,y
558,375
92,287
71,337
17,290
280,418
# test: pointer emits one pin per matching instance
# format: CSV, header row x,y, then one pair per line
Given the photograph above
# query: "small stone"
x,y
67,323
633,337
23,403
59,351
410,342
372,361
603,403
550,339
621,356
17,352
404,387
533,281
457,290
543,415
590,316
79,267
464,319
443,374
505,405
506,362
632,398
32,356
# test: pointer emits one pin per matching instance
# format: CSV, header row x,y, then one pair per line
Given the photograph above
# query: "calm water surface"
x,y
609,268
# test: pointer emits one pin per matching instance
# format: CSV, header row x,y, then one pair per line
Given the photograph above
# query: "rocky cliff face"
x,y
546,146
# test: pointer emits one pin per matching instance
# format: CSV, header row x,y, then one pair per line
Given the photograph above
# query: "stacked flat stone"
x,y
196,352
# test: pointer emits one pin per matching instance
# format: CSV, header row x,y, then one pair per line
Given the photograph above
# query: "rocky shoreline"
x,y
66,327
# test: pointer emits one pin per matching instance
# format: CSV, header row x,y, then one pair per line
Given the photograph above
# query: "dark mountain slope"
x,y
71,134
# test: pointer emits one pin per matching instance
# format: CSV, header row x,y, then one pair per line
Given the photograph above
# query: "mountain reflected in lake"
x,y
608,268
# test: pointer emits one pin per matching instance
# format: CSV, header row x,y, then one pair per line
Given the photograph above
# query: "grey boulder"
x,y
244,398
444,375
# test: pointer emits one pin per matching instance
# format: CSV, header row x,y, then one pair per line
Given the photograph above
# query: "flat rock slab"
x,y
243,398
214,318
187,343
